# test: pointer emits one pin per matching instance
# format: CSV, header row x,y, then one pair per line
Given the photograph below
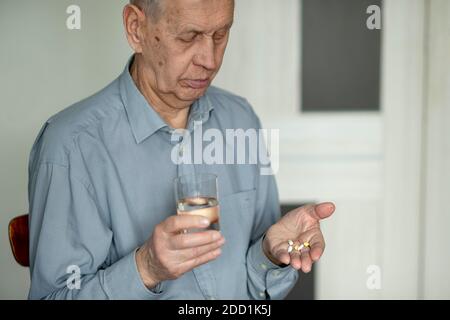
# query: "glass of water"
x,y
196,194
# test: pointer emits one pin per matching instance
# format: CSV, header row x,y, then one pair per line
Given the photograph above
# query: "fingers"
x,y
301,255
297,259
301,259
172,253
296,263
202,259
317,246
191,240
193,253
323,210
177,223
293,258
280,253
306,262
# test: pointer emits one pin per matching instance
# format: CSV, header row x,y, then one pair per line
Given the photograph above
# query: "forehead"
x,y
199,15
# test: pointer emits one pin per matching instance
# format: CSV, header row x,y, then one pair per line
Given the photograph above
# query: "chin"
x,y
192,94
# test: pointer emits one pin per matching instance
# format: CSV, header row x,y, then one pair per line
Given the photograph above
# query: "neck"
x,y
175,117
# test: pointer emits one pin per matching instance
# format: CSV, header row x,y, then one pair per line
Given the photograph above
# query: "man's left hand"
x,y
299,225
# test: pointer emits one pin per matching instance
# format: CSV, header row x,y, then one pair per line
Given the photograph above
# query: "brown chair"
x,y
18,238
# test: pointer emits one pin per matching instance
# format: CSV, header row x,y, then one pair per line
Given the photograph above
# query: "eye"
x,y
189,38
220,35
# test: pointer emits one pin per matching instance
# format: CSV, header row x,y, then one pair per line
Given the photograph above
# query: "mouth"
x,y
197,83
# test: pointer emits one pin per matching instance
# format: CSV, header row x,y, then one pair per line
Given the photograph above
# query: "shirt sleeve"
x,y
266,280
70,241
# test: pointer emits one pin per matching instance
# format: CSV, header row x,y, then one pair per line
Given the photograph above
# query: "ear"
x,y
135,22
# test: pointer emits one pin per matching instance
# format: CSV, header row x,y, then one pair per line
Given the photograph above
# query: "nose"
x,y
205,56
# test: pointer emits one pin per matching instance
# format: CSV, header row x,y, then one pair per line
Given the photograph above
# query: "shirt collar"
x,y
143,119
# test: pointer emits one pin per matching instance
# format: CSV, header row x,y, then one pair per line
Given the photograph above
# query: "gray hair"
x,y
152,8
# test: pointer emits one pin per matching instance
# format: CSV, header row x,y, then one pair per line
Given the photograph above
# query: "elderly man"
x,y
102,222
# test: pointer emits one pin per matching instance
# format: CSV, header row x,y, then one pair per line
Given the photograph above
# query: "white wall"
x,y
415,257
435,261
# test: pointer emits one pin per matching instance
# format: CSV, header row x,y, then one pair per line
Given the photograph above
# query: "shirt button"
x,y
262,294
263,266
181,151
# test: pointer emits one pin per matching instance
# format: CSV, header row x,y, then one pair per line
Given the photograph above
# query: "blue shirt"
x,y
101,178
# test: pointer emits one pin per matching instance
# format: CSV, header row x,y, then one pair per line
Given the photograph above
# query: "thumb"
x,y
324,210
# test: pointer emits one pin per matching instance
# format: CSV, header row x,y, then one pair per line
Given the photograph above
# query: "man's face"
x,y
184,49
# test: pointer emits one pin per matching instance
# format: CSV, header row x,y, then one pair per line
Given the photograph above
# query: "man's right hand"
x,y
169,253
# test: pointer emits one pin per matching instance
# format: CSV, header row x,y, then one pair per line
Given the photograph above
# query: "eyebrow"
x,y
198,31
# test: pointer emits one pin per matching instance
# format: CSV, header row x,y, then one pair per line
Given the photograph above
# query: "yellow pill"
x,y
306,244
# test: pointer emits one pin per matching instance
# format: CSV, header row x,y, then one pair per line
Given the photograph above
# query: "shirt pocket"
x,y
237,212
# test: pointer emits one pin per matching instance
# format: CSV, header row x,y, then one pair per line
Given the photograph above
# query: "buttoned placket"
x,y
203,274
